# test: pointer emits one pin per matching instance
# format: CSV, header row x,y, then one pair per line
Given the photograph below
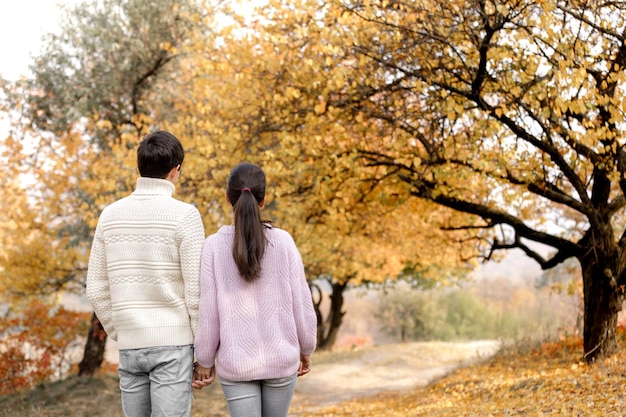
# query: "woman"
x,y
257,323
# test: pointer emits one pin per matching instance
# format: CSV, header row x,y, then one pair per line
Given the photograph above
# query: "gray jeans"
x,y
265,398
156,381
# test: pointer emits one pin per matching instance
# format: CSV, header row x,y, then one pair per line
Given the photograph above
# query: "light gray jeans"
x,y
156,381
265,398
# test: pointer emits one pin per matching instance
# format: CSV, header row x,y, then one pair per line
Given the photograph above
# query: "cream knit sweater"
x,y
144,267
254,330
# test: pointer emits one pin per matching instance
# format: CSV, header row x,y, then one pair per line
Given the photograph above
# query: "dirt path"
x,y
385,368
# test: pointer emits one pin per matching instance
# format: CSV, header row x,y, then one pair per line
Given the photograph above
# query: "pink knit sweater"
x,y
256,330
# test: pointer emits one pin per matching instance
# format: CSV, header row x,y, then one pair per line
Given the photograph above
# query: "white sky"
x,y
22,24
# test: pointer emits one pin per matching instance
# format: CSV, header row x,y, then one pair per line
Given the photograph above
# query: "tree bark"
x,y
94,349
602,304
329,329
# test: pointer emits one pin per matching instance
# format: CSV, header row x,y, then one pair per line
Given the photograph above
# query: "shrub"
x,y
459,314
38,343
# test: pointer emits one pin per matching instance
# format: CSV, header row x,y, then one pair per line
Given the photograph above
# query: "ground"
x,y
368,371
335,377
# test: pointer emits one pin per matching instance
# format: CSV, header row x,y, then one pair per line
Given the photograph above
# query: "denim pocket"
x,y
168,361
128,370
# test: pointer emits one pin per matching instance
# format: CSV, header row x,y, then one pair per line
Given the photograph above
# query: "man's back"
x,y
146,252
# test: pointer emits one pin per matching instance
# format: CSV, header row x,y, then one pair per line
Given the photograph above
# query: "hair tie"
x,y
245,189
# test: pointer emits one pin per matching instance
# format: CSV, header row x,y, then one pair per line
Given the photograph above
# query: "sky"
x,y
22,24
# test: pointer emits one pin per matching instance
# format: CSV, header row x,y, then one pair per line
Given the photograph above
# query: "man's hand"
x,y
202,377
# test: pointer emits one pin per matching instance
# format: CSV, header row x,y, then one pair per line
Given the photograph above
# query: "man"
x,y
143,283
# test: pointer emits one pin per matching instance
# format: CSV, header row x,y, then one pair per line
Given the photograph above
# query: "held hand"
x,y
202,376
305,365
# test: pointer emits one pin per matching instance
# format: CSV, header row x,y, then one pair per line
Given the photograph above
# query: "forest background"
x,y
410,154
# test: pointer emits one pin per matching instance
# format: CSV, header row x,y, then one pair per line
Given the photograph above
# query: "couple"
x,y
238,301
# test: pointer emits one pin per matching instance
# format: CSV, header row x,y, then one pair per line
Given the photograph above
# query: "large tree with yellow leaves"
x,y
511,111
508,112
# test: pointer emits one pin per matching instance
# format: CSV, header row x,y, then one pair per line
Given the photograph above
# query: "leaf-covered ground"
x,y
548,381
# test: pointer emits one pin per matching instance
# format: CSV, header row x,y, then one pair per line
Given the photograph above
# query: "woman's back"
x,y
262,325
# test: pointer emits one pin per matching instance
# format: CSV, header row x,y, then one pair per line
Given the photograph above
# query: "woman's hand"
x,y
305,365
202,376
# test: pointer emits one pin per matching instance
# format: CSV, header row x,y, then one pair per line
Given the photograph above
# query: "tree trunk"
x,y
602,304
329,328
94,349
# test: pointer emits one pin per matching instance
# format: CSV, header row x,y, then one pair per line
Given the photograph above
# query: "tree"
x,y
409,314
97,88
510,111
249,105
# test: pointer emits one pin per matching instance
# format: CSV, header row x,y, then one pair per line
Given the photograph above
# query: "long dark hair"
x,y
246,191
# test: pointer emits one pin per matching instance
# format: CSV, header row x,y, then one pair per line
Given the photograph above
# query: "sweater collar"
x,y
154,186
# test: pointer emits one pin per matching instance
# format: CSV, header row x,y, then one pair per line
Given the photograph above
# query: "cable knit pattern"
x,y
143,279
255,330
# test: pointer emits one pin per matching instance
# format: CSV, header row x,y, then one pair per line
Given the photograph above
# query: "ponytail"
x,y
246,191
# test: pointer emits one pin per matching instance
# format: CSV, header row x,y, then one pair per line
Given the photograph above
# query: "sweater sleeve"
x,y
208,335
97,288
190,249
303,311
